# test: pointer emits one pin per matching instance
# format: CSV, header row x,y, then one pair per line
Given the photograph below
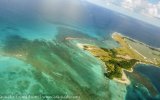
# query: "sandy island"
x,y
125,53
123,80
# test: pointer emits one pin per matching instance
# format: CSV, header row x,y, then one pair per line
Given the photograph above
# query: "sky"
x,y
145,10
145,7
149,8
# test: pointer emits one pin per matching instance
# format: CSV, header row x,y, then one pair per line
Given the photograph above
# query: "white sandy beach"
x,y
123,80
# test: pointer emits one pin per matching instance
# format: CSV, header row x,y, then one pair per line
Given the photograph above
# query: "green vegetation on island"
x,y
118,59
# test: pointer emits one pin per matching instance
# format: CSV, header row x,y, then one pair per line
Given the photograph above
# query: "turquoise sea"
x,y
37,60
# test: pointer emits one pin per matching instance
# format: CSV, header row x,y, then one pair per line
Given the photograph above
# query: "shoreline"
x,y
149,46
123,80
153,49
115,33
157,48
123,42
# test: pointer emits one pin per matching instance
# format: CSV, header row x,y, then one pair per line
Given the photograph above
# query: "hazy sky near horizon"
x,y
149,8
72,8
144,10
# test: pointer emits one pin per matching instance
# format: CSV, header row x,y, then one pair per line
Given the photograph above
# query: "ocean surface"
x,y
109,21
151,72
36,59
145,83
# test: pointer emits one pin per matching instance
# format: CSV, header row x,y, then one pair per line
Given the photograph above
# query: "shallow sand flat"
x,y
141,51
152,55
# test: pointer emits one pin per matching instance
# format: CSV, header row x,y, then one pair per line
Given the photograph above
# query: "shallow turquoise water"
x,y
15,76
37,65
35,59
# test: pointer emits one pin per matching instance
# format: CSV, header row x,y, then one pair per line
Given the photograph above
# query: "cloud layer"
x,y
144,7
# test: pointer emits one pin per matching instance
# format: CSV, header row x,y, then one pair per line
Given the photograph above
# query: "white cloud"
x,y
139,6
143,7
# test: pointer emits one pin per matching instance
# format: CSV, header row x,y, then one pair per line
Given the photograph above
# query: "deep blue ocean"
x,y
108,21
151,72
97,20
